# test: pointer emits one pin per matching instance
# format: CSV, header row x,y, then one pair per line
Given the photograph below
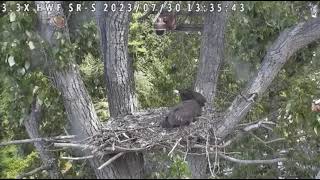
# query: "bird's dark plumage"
x,y
188,94
185,112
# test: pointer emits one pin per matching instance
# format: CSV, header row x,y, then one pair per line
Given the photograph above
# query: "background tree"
x,y
118,68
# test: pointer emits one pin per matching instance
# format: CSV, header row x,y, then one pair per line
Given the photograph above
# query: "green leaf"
x,y
12,17
59,35
11,61
21,120
35,89
27,65
31,45
28,34
22,71
143,50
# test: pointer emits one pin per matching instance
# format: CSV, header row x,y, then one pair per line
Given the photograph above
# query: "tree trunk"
x,y
114,28
118,66
211,57
31,123
211,53
198,166
78,105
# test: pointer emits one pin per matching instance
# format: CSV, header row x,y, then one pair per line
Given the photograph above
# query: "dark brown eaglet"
x,y
185,112
182,114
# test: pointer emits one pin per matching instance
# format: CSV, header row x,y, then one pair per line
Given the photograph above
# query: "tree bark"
x,y
78,105
211,53
288,43
31,123
198,166
118,67
211,57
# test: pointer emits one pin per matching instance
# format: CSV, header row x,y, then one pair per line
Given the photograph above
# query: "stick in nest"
x,y
110,160
208,156
169,154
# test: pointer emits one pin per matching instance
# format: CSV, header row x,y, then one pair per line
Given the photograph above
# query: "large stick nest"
x,y
141,131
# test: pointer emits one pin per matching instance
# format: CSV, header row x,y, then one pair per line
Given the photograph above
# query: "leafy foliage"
x,y
12,164
161,62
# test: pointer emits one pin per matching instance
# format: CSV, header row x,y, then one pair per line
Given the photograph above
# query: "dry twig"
x,y
110,160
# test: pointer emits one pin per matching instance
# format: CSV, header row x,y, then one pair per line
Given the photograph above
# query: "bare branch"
x,y
269,161
208,156
36,140
72,145
78,158
265,120
210,146
216,163
122,149
111,160
248,128
175,145
266,127
267,142
256,126
63,137
275,140
22,141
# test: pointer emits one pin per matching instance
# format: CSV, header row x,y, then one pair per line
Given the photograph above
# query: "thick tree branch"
x,y
31,123
78,105
288,43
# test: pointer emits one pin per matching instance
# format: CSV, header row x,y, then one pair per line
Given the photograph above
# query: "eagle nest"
x,y
141,132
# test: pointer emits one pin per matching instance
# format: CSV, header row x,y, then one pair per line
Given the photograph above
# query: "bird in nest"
x,y
185,112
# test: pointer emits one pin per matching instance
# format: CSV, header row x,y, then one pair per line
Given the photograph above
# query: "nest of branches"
x,y
141,132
